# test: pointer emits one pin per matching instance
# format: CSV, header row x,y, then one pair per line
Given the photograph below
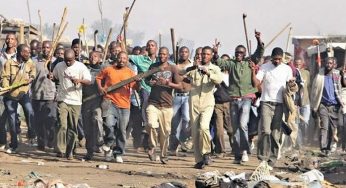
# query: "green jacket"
x,y
240,74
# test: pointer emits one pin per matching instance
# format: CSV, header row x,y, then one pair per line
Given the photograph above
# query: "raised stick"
x,y
277,35
127,17
106,46
174,48
246,35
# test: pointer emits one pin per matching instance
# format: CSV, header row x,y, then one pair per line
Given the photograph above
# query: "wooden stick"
x,y
317,44
277,35
95,39
246,35
85,41
160,39
125,82
125,25
174,48
288,39
41,34
54,25
54,45
127,17
106,46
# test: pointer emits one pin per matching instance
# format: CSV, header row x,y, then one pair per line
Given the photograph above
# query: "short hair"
x,y
164,48
21,47
207,48
149,41
184,47
136,48
76,41
277,52
298,59
225,55
330,58
34,41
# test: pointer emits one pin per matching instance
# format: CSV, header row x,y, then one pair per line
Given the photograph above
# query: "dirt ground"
x,y
136,171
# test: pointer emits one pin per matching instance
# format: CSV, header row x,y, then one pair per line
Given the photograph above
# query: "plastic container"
x,y
312,175
102,166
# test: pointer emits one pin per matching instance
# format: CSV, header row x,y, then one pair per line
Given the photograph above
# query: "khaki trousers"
x,y
67,130
200,121
159,118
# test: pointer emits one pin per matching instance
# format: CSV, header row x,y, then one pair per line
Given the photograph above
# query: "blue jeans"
x,y
115,124
180,114
3,122
240,115
11,106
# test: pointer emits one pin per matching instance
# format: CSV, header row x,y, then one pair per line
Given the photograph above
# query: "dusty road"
x,y
136,171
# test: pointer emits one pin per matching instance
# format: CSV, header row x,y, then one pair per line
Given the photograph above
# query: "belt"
x,y
240,98
181,94
272,103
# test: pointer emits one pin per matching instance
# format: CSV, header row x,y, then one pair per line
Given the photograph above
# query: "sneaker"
x,y
207,159
119,159
33,142
164,160
88,157
106,148
151,154
245,157
236,161
2,147
200,165
187,146
11,150
109,155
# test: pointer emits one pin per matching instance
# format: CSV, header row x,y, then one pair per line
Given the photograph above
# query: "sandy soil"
x,y
136,171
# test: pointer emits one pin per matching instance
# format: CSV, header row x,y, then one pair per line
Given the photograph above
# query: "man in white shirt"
x,y
71,75
272,77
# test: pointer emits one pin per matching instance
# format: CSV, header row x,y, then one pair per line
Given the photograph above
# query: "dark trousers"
x,y
3,122
135,126
11,106
329,122
45,121
92,121
221,121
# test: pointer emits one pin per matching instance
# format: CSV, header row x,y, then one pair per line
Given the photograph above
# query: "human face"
x,y
207,54
184,54
277,60
329,65
76,49
25,54
69,60
240,54
34,48
298,63
11,41
94,58
46,49
198,55
59,53
151,48
163,55
115,50
122,60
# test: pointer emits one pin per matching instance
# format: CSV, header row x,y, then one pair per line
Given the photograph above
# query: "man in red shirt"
x,y
115,106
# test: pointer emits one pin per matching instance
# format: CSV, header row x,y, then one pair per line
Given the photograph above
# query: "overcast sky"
x,y
199,20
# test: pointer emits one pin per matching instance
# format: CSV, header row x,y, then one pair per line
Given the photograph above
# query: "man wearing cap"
x,y
272,77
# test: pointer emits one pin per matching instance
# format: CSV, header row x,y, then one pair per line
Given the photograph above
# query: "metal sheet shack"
x,y
330,45
24,31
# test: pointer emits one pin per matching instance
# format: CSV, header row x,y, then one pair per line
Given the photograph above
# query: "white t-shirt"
x,y
67,91
273,80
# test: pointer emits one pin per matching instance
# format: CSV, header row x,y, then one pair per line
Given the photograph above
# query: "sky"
x,y
198,20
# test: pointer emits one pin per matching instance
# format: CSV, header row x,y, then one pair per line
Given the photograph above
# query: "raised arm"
x,y
256,57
